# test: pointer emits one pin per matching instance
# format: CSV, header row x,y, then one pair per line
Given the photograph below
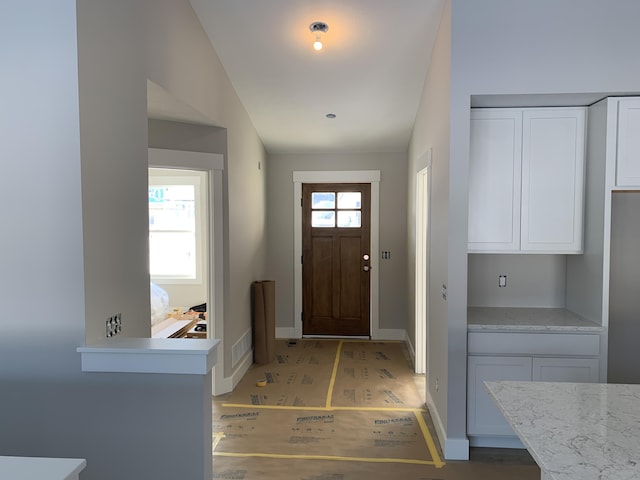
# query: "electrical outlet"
x,y
502,281
114,325
443,291
386,255
437,386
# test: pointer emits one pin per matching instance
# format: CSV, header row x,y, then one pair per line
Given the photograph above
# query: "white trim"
x,y
395,334
195,160
197,179
286,332
227,384
410,348
354,176
150,355
456,449
496,442
357,176
423,187
453,448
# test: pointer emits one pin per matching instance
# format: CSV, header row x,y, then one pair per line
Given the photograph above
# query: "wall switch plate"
x,y
502,281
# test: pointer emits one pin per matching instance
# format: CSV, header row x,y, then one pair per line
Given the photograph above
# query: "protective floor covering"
x,y
334,410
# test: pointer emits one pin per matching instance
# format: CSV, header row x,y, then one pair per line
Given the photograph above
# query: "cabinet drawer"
x,y
533,344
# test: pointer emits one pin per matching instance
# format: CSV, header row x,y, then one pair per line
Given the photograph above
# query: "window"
x,y
331,209
176,225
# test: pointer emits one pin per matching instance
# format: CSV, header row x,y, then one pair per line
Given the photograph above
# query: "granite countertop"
x,y
505,319
575,431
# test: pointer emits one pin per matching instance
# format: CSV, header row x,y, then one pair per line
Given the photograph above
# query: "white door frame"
x,y
423,198
213,164
356,176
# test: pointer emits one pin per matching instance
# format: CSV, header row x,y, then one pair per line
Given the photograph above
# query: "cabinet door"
x,y
494,180
483,416
581,370
628,157
553,155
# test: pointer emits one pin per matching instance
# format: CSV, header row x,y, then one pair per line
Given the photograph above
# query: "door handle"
x,y
366,268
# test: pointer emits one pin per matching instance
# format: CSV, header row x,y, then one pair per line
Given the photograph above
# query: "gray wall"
x,y
585,273
506,47
624,309
75,146
532,280
393,227
432,129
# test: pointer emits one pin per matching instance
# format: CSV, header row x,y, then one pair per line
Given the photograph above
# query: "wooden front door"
x,y
336,224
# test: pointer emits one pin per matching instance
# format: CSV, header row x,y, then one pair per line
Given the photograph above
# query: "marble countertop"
x,y
575,431
506,319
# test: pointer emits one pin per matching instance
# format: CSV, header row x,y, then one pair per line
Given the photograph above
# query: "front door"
x,y
336,221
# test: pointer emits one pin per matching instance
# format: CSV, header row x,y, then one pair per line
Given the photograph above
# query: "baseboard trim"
x,y
411,349
397,334
453,448
456,449
381,334
227,384
496,442
286,332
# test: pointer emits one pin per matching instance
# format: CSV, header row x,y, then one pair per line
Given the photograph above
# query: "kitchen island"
x,y
575,431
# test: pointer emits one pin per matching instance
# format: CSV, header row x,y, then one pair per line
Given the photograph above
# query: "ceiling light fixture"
x,y
317,28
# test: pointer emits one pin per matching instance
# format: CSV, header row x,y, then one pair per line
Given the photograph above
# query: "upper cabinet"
x,y
628,152
526,180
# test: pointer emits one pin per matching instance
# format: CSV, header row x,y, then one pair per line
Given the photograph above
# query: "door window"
x,y
346,212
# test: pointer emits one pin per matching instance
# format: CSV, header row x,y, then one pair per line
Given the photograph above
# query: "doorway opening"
x,y
212,165
178,253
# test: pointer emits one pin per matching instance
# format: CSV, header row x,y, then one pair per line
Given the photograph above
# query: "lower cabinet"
x,y
483,416
486,425
580,370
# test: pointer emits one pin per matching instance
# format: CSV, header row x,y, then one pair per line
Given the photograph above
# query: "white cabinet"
x,y
580,370
526,180
494,180
483,416
548,357
628,152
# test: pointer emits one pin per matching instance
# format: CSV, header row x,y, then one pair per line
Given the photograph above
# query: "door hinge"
x,y
302,317
301,259
300,201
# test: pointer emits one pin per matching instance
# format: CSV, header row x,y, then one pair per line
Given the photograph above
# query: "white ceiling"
x,y
370,73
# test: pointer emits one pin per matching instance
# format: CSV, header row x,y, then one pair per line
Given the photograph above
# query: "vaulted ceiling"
x,y
369,74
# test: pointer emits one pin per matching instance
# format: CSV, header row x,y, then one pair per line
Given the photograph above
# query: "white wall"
x,y
74,129
393,227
